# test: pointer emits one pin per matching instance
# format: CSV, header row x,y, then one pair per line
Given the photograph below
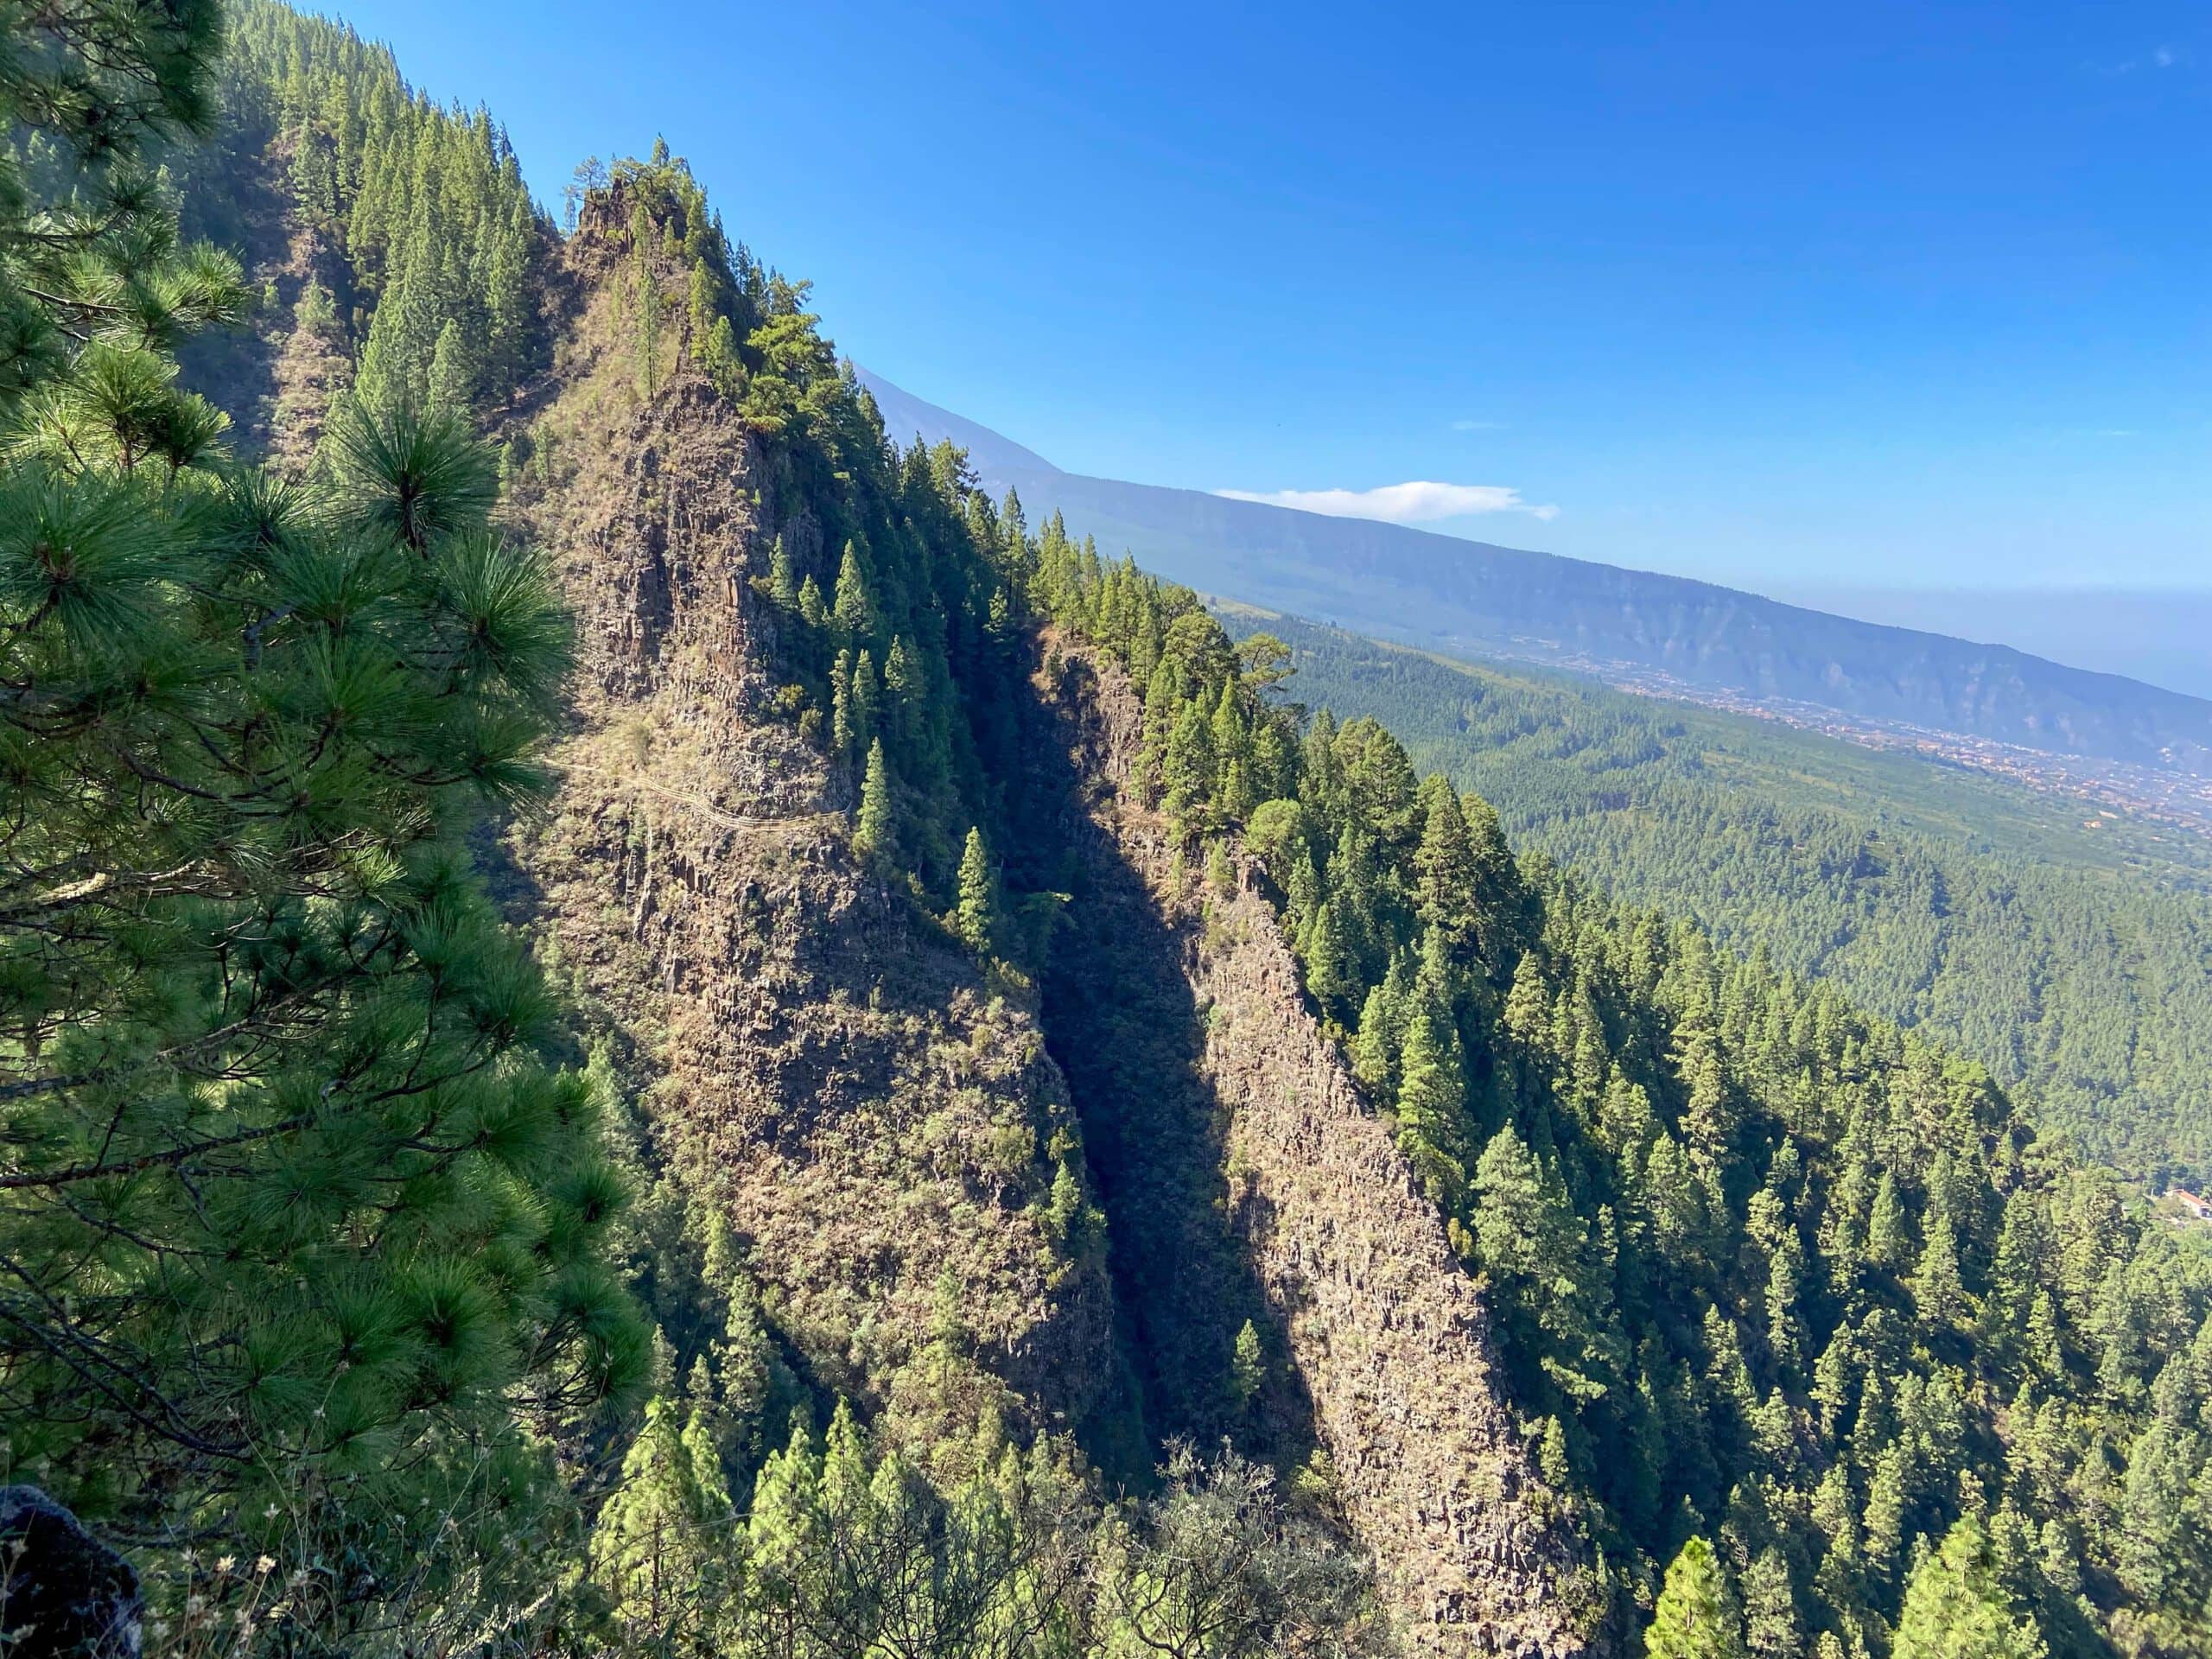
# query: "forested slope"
x,y
1770,1273
968,942
2074,960
393,245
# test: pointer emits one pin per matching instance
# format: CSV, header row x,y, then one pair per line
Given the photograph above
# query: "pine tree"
x,y
449,386
1432,1103
785,1578
1935,1286
1231,741
1382,1032
1188,773
271,1052
745,1362
841,729
1709,1114
403,333
977,916
1887,1244
1954,1608
1527,1014
2045,1349
811,610
1695,1616
1064,1209
1447,886
863,700
1771,1626
1163,701
509,298
1886,1497
1331,967
873,828
1248,1366
653,1545
853,610
904,691
783,579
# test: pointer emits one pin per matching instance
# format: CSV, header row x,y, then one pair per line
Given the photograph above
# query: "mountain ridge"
x,y
1591,616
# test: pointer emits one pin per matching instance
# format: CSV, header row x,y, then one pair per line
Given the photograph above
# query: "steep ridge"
x,y
877,1117
837,1081
1235,1153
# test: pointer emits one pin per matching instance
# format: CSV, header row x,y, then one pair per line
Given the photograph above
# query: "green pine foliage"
x,y
1957,1607
305,1240
976,916
91,261
1248,1372
301,1223
872,828
660,1545
1695,1618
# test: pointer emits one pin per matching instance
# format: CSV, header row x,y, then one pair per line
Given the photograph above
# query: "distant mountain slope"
x,y
1444,592
2160,636
905,415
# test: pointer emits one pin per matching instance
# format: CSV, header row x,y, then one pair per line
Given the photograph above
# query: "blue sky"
x,y
1891,295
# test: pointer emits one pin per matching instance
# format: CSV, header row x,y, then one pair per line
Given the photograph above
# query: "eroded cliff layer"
x,y
1236,1157
823,1065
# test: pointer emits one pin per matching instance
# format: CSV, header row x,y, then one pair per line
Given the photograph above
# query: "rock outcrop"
x,y
62,1592
822,1065
1234,1150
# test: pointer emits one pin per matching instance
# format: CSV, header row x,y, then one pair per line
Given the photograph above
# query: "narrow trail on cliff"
x,y
781,825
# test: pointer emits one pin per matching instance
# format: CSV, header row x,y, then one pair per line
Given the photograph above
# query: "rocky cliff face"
x,y
822,1065
1241,1166
880,1121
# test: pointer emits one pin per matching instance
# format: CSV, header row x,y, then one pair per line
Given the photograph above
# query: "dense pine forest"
x,y
355,1289
1779,1282
395,248
2067,957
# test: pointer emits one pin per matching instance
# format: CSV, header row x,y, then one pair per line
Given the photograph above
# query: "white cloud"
x,y
1419,502
2161,57
1478,426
